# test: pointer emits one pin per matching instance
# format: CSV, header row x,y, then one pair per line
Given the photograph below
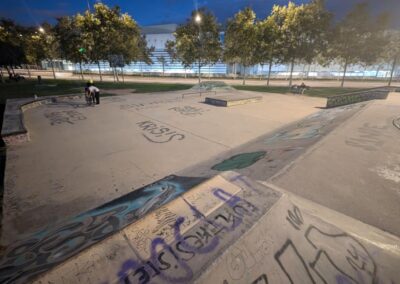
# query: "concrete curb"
x,y
14,131
351,98
396,122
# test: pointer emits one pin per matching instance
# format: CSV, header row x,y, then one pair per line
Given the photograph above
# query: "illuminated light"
x,y
41,30
197,19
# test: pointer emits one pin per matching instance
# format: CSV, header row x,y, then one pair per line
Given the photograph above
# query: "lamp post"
x,y
47,39
197,20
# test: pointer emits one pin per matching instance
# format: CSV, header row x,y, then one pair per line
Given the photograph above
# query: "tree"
x,y
163,60
74,42
267,48
46,40
303,31
241,40
197,41
391,52
102,35
115,33
11,45
358,38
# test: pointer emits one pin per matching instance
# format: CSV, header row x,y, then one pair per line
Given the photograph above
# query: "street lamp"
x,y
41,30
197,19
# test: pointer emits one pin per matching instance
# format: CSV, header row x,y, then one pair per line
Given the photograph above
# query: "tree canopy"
x,y
197,41
358,38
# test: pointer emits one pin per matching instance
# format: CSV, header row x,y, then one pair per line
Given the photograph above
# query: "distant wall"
x,y
346,99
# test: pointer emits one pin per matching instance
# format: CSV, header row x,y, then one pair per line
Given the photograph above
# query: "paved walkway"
x,y
238,81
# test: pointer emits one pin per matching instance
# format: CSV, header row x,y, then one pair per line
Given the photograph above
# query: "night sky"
x,y
152,12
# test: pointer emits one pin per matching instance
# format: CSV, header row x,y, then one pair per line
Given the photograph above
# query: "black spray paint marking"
x,y
295,218
65,116
188,110
158,134
338,258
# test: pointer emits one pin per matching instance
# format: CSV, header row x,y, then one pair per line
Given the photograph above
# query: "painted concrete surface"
x,y
230,229
355,169
81,157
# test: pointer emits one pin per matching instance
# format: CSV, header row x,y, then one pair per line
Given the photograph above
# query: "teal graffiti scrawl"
x,y
239,161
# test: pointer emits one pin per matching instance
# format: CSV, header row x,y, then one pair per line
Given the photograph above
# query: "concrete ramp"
x,y
228,229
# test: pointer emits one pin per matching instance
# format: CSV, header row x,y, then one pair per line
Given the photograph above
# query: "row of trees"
x,y
105,34
291,34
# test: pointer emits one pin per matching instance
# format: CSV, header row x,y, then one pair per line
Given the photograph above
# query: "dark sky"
x,y
150,12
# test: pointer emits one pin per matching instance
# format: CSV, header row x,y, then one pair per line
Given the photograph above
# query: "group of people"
x,y
92,93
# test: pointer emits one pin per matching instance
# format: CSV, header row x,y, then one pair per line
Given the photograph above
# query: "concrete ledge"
x,y
232,100
14,131
346,99
396,122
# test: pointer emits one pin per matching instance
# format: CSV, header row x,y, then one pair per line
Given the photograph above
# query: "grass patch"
x,y
29,88
144,87
322,92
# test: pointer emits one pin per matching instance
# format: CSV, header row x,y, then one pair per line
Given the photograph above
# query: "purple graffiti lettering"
x,y
228,198
181,265
204,249
130,264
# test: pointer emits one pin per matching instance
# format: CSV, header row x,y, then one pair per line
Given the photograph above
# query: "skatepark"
x,y
166,188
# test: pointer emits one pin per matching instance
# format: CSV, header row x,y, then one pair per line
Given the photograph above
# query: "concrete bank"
x,y
226,230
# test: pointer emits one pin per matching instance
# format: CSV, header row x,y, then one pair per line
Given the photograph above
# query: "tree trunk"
x,y
1,74
377,71
199,72
269,72
291,73
308,71
163,69
116,73
8,71
344,73
80,69
392,71
262,69
52,68
113,74
122,73
234,71
101,76
244,75
29,71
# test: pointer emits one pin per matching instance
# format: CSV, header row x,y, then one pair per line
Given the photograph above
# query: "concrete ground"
x,y
355,169
80,157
